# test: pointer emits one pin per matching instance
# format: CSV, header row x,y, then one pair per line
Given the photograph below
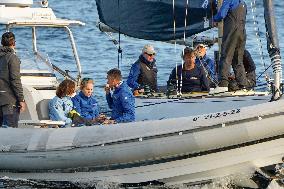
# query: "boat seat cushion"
x,y
42,109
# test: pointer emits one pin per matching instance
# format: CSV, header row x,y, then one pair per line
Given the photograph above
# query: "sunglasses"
x,y
87,79
200,47
151,54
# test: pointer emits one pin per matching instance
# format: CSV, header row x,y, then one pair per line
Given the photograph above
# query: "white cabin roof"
x,y
16,3
27,16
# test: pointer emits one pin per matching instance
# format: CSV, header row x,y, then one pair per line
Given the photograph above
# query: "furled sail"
x,y
154,19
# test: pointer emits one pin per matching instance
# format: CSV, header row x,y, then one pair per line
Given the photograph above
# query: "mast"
x,y
273,47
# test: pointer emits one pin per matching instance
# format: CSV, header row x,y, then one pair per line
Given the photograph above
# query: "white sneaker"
x,y
218,90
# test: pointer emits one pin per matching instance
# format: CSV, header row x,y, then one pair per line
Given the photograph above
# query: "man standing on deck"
x,y
233,12
11,91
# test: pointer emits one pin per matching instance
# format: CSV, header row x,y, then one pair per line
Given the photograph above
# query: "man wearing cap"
x,y
233,12
144,71
206,63
11,90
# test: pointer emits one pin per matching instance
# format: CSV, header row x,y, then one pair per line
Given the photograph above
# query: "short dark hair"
x,y
8,39
115,74
66,87
187,50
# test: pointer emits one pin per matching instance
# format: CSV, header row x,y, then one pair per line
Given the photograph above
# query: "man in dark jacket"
x,y
121,101
11,91
233,12
144,71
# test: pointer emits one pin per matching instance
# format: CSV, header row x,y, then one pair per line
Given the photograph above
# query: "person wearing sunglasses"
x,y
85,103
143,72
207,63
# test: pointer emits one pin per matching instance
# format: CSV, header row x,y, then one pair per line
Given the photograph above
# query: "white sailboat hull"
x,y
178,150
236,163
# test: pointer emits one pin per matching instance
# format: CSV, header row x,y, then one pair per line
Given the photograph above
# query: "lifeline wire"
x,y
184,35
119,50
258,39
174,23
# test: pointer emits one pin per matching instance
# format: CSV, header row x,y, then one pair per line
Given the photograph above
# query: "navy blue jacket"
x,y
122,103
87,107
227,6
193,80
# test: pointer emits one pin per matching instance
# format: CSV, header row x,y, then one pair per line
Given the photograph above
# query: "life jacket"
x,y
148,76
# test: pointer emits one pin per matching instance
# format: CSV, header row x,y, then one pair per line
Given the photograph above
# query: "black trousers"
x,y
233,45
9,115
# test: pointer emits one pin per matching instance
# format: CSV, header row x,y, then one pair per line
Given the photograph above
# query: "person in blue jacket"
x,y
121,100
85,103
61,104
203,60
189,77
233,13
144,71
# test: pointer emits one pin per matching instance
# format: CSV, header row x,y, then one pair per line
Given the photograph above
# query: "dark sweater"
x,y
193,80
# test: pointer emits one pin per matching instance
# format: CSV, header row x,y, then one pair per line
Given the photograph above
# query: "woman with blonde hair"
x,y
85,103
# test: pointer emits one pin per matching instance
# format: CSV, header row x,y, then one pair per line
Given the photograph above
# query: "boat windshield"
x,y
34,61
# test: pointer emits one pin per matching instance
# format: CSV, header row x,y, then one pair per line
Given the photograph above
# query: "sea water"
x,y
98,54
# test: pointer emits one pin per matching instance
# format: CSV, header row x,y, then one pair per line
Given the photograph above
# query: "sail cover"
x,y
154,19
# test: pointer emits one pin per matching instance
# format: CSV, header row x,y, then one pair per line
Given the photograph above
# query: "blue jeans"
x,y
9,115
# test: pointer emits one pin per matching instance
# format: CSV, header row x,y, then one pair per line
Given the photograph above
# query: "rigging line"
x,y
115,42
258,39
207,72
174,23
184,36
119,50
264,71
185,21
